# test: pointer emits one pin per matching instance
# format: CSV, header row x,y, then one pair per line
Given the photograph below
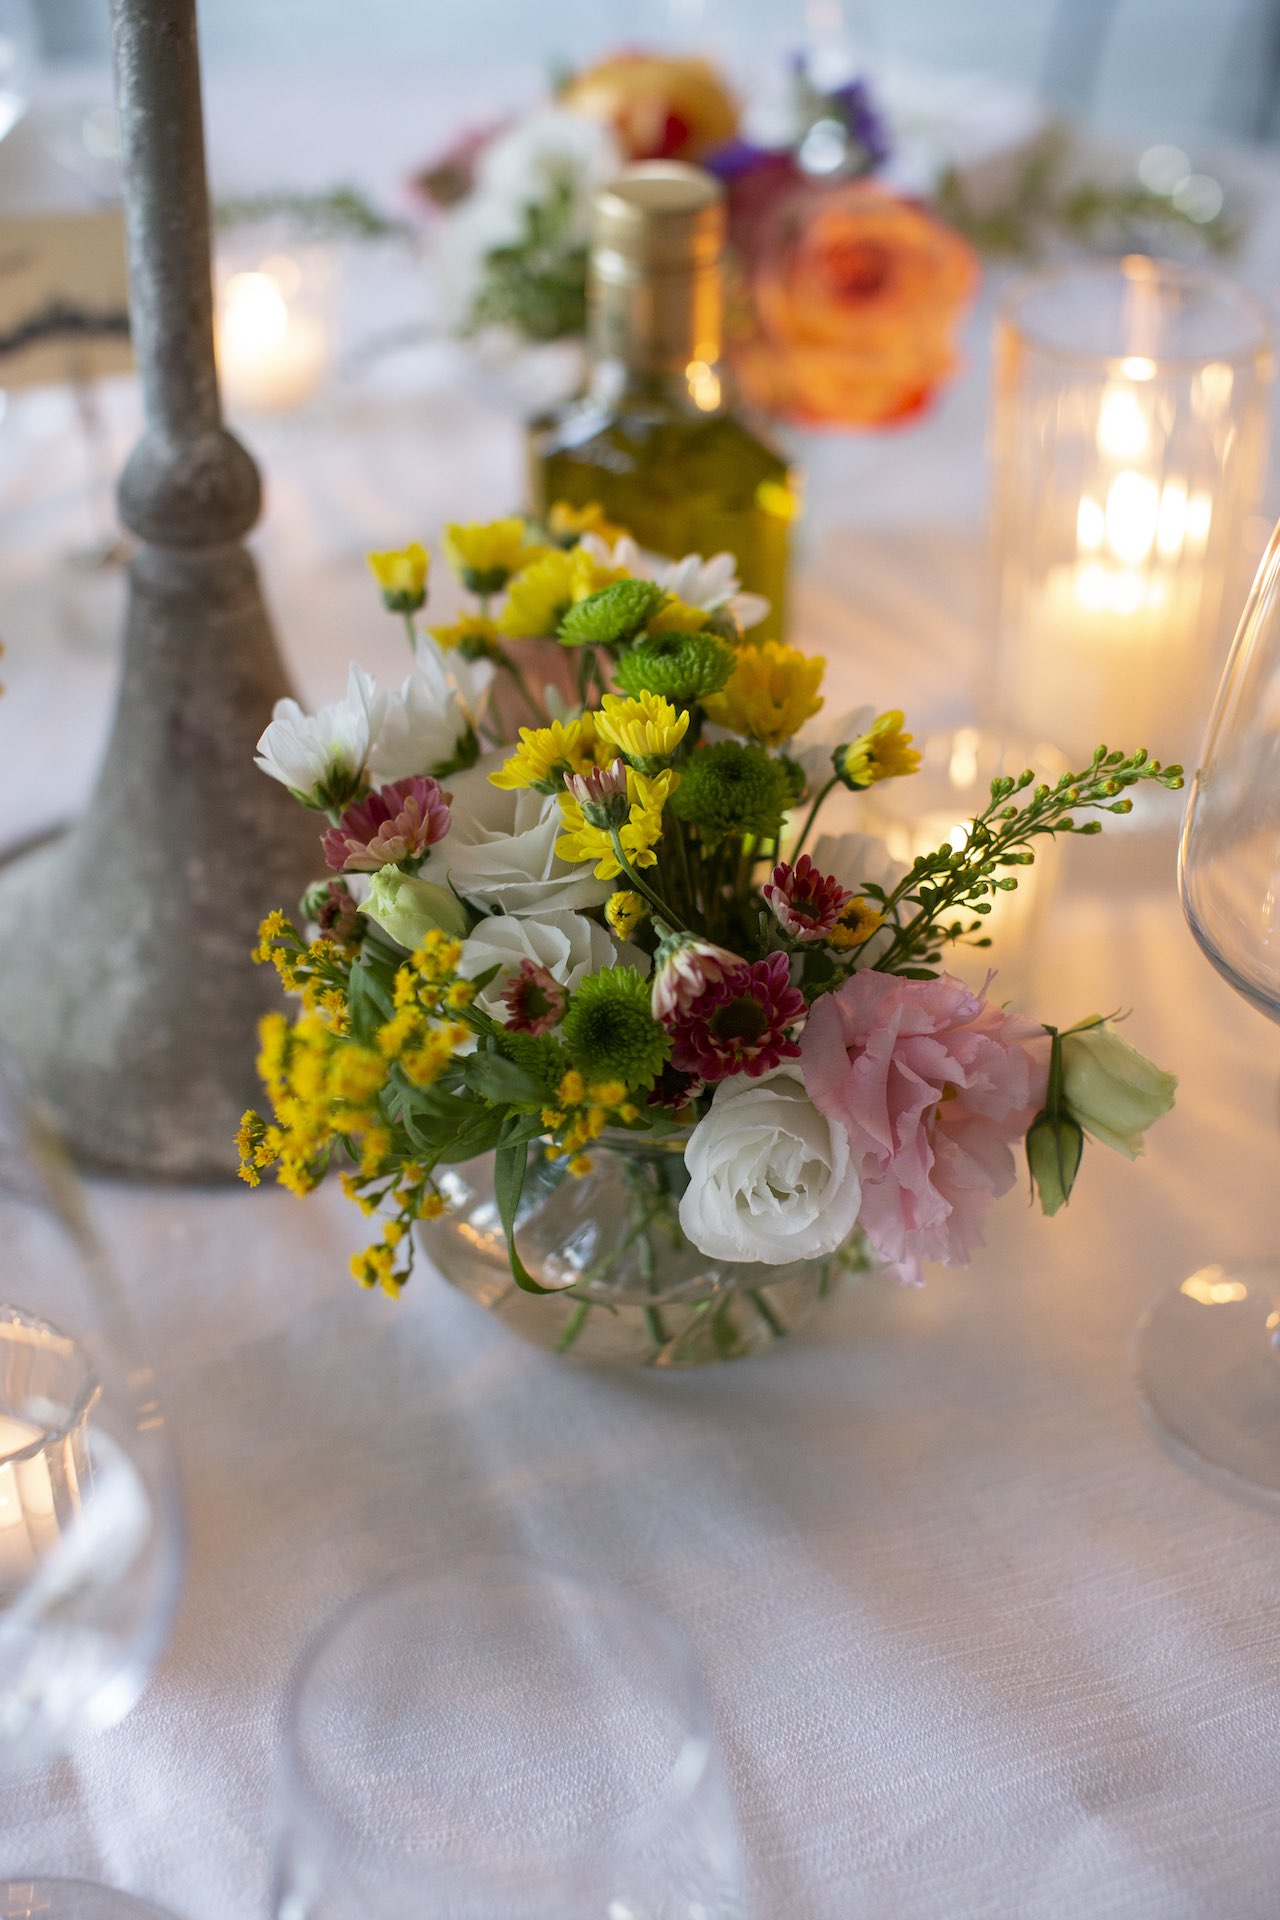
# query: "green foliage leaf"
x,y
509,1166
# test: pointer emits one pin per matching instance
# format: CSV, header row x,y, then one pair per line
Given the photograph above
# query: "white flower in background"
x,y
422,725
568,945
322,757
448,669
500,850
770,1178
712,585
540,156
527,166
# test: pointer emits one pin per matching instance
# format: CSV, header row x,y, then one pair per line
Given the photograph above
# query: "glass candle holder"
x,y
1129,441
46,1391
501,1740
275,326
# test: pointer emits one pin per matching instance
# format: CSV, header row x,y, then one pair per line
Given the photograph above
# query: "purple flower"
x,y
398,822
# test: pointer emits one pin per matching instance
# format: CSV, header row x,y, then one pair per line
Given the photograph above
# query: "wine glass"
x,y
1209,1351
502,1742
89,1534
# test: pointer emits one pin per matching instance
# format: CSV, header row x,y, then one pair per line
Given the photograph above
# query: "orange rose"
x,y
660,107
852,300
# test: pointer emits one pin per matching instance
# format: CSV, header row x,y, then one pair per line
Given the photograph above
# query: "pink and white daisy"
x,y
398,822
806,903
739,1022
534,999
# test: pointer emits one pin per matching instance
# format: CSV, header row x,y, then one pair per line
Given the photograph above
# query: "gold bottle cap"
x,y
661,217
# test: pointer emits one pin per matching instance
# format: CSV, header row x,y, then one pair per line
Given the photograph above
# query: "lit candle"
x,y
1113,643
28,1519
271,354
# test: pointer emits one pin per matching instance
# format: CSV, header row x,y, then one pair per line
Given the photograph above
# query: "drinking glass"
x,y
1209,1364
501,1742
89,1533
70,1900
1129,440
18,61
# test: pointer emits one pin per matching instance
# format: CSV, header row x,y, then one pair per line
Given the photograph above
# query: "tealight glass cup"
x,y
502,1742
1130,432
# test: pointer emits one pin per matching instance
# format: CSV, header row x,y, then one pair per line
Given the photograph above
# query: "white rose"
x,y
321,757
769,1176
500,850
568,945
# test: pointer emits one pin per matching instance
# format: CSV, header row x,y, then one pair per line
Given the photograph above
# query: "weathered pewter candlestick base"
x,y
125,982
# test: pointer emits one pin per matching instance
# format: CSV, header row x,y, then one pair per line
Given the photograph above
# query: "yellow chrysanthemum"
x,y
855,926
624,911
544,756
401,574
570,523
544,592
639,834
645,728
471,634
676,617
883,752
485,554
772,692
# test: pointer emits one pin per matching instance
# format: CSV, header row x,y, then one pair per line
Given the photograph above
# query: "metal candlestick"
x,y
125,983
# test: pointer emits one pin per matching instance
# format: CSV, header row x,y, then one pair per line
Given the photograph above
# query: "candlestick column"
x,y
125,983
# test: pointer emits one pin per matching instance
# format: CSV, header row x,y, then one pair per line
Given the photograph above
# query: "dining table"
x,y
977,1644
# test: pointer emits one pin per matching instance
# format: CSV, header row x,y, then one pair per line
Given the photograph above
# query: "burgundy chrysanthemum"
x,y
673,1089
805,902
739,1023
396,823
534,999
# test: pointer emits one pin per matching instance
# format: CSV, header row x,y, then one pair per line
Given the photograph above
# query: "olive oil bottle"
x,y
654,438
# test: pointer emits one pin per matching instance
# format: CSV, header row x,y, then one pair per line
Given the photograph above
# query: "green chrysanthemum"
x,y
682,667
609,1031
541,1056
612,616
732,789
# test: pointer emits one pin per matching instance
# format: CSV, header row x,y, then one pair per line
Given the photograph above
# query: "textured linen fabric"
x,y
977,1648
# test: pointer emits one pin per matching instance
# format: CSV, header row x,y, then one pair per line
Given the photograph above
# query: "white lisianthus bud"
x,y
1114,1091
408,908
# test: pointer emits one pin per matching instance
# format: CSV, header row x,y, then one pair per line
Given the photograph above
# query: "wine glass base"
x,y
47,1899
1209,1372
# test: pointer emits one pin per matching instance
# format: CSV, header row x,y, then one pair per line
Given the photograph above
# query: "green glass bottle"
x,y
654,438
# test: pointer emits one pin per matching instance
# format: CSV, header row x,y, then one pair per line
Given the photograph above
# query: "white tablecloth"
x,y
975,1645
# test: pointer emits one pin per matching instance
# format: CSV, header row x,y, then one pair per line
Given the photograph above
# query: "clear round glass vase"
x,y
630,1288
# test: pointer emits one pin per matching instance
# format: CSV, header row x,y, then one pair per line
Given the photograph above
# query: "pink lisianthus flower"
x,y
805,902
933,1087
396,823
739,1022
685,967
534,999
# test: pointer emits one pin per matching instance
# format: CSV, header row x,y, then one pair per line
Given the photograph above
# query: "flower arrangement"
x,y
847,295
613,924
